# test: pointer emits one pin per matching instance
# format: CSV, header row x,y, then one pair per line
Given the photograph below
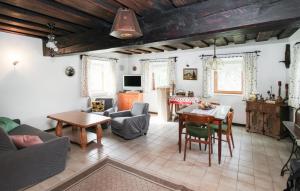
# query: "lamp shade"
x,y
125,25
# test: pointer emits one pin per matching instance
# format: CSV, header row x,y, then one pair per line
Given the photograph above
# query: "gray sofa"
x,y
132,123
25,167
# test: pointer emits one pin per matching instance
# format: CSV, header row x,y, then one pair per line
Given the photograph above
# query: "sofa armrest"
x,y
125,113
33,164
17,121
87,110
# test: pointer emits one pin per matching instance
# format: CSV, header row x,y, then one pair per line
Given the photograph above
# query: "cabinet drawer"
x,y
253,106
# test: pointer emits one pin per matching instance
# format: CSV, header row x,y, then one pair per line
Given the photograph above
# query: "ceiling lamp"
x,y
215,63
125,25
51,43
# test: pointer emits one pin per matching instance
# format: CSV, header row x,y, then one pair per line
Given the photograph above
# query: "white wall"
x,y
38,85
270,71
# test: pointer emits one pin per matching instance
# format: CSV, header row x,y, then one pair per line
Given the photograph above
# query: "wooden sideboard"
x,y
125,100
266,118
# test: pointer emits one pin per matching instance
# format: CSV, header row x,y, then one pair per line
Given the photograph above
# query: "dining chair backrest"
x,y
200,119
230,119
297,116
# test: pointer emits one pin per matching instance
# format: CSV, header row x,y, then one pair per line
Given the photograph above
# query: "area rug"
x,y
110,175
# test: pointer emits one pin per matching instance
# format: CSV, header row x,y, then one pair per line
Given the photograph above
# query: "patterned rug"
x,y
110,175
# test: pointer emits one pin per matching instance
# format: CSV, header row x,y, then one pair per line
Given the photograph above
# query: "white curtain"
x,y
147,82
294,83
250,74
172,70
84,77
207,85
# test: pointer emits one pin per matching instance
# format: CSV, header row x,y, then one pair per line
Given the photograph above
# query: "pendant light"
x,y
125,25
51,43
215,62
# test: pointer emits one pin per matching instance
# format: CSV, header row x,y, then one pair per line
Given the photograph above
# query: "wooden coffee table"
x,y
79,121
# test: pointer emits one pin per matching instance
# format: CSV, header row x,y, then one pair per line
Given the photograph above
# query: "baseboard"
x,y
239,124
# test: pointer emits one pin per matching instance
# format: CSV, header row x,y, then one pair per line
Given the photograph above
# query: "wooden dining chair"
x,y
198,130
226,130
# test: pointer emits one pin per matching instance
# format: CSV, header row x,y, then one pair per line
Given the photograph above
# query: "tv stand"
x,y
126,100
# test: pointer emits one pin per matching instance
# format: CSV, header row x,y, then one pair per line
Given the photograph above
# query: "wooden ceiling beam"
x,y
239,39
31,16
287,32
59,11
168,47
263,36
221,41
22,30
182,46
30,25
93,7
199,43
149,7
143,50
19,33
133,51
180,3
123,52
155,49
190,23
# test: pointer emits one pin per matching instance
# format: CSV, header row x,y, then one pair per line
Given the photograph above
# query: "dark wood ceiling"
x,y
167,25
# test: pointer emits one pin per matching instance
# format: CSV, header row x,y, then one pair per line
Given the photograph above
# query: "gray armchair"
x,y
109,107
133,123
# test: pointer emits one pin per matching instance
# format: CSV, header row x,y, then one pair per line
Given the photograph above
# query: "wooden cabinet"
x,y
266,118
125,100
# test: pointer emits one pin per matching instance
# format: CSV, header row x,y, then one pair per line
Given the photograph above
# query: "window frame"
x,y
217,91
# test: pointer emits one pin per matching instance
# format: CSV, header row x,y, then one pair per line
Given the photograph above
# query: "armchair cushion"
x,y
125,113
138,109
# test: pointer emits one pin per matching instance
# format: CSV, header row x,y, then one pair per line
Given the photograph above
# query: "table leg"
x,y
58,129
171,111
220,142
99,134
83,138
285,167
180,133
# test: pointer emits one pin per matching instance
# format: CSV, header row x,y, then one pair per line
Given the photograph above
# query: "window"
x,y
159,74
229,78
100,77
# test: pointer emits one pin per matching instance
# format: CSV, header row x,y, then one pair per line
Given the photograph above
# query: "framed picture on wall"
x,y
190,73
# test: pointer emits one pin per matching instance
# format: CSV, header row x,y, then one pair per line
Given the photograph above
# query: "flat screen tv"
x,y
132,82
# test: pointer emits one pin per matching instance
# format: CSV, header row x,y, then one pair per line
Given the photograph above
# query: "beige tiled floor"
x,y
255,164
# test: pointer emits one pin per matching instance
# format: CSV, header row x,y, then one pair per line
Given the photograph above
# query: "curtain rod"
x,y
175,58
98,57
207,55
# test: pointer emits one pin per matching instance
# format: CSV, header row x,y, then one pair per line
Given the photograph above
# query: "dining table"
x,y
219,112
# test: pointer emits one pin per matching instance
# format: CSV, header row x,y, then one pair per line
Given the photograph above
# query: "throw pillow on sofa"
x,y
7,124
23,141
98,106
